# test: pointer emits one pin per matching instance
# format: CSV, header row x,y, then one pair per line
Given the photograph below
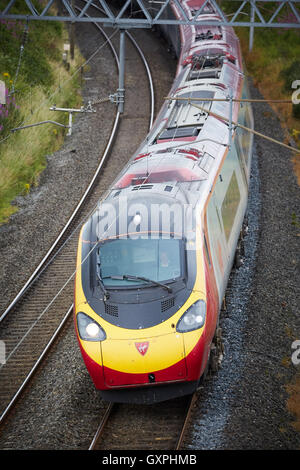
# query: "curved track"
x,y
34,318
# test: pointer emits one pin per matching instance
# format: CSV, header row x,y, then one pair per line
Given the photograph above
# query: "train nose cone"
x,y
143,360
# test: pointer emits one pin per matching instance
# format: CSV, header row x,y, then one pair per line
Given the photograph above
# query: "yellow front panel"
x,y
162,352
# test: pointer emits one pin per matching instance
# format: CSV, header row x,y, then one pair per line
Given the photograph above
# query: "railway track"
x,y
38,313
151,427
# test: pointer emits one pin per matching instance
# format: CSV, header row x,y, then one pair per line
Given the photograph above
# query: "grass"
x,y
268,63
42,81
23,154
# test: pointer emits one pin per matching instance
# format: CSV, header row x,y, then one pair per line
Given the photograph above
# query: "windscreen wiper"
x,y
105,292
130,277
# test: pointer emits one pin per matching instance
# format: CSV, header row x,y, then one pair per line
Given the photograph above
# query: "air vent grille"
x,y
142,186
166,304
112,310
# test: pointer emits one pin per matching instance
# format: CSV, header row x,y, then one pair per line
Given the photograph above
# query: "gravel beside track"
x,y
136,117
30,325
244,405
259,417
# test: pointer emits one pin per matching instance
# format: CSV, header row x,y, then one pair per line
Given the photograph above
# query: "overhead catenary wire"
x,y
224,118
241,100
95,246
70,277
92,249
108,41
23,43
46,309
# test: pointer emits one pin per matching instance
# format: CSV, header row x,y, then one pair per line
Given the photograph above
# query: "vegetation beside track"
x,y
35,79
274,65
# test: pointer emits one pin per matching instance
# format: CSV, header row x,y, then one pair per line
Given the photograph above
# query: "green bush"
x,y
290,74
296,111
31,77
39,49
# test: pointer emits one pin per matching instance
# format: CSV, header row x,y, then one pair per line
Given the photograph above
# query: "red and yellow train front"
x,y
172,353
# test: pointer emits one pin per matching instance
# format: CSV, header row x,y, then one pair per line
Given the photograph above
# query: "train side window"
x,y
206,251
230,205
241,156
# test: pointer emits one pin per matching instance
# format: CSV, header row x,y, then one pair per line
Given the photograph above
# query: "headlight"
x,y
89,330
193,318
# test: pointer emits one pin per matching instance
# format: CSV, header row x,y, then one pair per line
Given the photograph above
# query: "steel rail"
x,y
143,59
36,365
82,200
54,245
149,78
189,407
75,212
101,426
38,270
186,421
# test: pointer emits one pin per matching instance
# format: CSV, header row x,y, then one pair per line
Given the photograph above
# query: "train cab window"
x,y
156,259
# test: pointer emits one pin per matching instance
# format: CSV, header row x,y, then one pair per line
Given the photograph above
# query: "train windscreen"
x,y
123,262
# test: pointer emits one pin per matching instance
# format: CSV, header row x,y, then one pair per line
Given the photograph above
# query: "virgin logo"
x,y
142,347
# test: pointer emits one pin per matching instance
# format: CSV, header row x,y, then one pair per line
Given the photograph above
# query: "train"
x,y
154,258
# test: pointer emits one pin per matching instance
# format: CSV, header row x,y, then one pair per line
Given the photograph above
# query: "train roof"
x,y
182,154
